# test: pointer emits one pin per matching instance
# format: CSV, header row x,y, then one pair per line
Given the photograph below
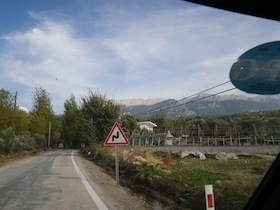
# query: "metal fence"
x,y
190,138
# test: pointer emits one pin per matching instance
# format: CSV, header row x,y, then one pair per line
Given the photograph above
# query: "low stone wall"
x,y
211,149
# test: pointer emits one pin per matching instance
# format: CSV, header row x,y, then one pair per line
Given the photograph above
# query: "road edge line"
x,y
99,203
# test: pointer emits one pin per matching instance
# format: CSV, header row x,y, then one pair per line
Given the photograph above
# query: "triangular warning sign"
x,y
116,137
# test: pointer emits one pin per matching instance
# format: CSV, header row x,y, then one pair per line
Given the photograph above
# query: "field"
x,y
178,183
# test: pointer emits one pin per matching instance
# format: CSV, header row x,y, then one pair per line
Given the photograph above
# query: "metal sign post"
x,y
117,165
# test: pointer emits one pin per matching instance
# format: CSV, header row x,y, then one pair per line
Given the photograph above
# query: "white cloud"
x,y
24,109
51,56
168,52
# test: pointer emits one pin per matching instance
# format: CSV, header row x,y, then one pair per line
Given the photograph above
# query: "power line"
x,y
160,108
177,105
198,99
203,91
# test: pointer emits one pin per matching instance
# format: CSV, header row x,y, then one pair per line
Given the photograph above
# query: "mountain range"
x,y
200,105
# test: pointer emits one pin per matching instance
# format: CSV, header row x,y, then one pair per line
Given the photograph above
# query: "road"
x,y
62,179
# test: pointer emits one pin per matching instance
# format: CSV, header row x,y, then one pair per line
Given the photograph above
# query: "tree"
x,y
42,112
159,120
6,109
22,122
56,126
129,122
6,98
99,115
198,124
70,123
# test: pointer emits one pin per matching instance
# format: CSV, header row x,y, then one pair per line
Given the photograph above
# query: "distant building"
x,y
147,125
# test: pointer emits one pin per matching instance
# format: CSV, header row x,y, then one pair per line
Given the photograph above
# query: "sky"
x,y
121,49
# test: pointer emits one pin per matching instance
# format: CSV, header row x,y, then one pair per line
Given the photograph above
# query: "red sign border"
x,y
110,135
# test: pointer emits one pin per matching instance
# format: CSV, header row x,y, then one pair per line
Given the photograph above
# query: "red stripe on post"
x,y
210,201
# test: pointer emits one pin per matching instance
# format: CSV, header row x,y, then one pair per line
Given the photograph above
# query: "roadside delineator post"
x,y
209,197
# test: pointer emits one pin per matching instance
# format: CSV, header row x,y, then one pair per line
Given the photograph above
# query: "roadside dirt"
x,y
157,192
116,197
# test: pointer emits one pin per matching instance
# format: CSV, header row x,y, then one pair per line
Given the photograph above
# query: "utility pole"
x,y
14,124
14,116
49,138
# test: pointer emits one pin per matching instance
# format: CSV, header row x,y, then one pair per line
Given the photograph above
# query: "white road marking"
x,y
99,203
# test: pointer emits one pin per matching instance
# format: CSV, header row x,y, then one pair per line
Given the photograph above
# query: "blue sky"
x,y
122,49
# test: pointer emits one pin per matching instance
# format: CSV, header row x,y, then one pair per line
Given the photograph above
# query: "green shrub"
x,y
6,140
41,141
20,143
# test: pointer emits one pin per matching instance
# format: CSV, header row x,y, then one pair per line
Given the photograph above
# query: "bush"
x,y
2,145
6,137
27,142
24,143
41,141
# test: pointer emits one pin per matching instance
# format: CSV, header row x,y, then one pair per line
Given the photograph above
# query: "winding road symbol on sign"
x,y
116,137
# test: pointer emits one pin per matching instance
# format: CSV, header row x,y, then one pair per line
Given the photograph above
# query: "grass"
x,y
181,181
234,181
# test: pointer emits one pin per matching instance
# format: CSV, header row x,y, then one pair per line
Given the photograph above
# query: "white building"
x,y
147,125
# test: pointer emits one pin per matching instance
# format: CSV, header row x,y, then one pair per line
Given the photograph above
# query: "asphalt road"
x,y
60,180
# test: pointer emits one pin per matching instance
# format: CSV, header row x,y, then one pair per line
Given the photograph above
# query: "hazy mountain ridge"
x,y
206,105
139,101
